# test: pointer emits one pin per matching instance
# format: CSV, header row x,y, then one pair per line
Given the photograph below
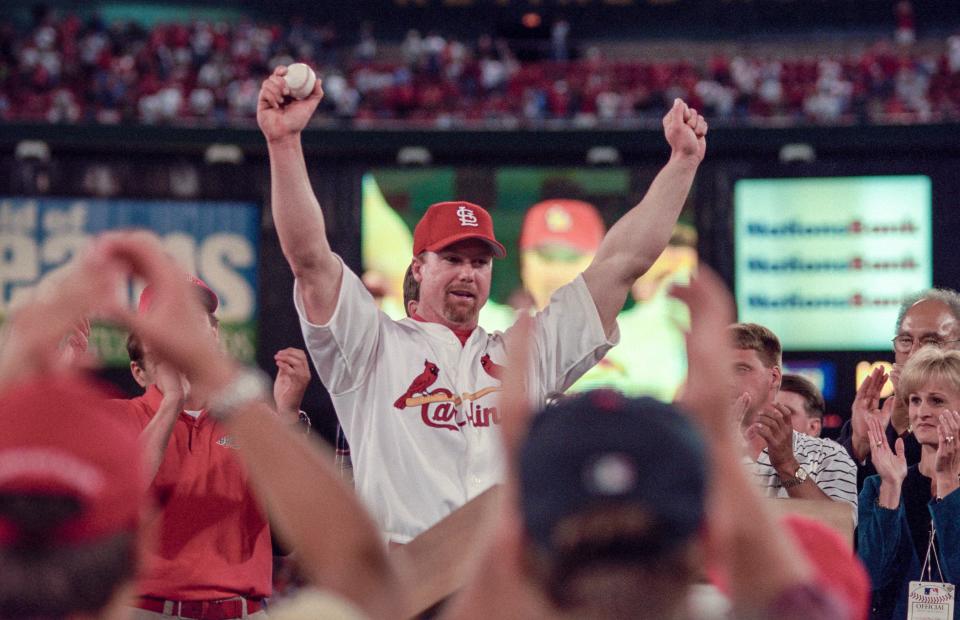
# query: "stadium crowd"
x,y
197,72
163,505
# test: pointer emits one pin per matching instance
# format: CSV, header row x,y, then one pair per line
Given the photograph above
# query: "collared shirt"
x,y
826,463
211,540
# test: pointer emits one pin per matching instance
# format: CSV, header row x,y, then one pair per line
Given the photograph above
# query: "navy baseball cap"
x,y
601,450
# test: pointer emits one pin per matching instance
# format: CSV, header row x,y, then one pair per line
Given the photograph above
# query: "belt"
x,y
223,609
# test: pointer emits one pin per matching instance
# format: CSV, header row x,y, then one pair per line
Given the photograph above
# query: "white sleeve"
x,y
837,475
345,348
569,337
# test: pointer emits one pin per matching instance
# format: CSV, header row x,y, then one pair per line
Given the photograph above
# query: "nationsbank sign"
x,y
825,262
215,240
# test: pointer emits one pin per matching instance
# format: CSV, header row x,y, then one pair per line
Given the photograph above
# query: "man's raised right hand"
x,y
866,406
279,115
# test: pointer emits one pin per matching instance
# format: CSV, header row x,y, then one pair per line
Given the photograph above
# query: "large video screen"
x,y
551,221
218,241
825,262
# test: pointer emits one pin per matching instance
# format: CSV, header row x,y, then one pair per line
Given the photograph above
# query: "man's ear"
x,y
776,376
417,268
139,375
815,426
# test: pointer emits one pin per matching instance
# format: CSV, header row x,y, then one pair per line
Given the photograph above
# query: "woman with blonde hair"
x,y
911,516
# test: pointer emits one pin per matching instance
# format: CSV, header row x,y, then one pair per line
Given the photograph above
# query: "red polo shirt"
x,y
210,539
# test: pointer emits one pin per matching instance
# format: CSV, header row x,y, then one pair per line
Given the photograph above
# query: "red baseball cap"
x,y
207,297
445,223
567,222
58,441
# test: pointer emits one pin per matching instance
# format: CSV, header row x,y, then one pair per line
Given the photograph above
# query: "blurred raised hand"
x,y
709,375
50,330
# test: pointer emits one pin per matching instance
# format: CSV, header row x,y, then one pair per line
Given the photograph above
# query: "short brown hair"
x,y
803,387
613,561
135,349
750,336
925,365
411,288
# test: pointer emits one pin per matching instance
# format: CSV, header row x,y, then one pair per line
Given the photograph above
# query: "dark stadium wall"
x,y
590,19
142,156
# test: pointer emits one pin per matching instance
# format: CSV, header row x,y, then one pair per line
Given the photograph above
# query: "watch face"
x,y
801,474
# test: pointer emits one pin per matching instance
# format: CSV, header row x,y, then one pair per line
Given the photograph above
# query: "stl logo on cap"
x,y
446,223
558,219
467,216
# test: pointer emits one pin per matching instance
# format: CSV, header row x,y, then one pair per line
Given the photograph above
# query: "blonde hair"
x,y
753,337
926,365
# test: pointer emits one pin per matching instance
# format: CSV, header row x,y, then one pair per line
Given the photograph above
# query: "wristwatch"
x,y
304,419
247,386
798,477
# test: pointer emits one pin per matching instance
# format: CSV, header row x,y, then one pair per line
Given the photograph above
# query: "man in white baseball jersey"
x,y
417,398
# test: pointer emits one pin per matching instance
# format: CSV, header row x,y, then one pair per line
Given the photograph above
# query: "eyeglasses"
x,y
904,344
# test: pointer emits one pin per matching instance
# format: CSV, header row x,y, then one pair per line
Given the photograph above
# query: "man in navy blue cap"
x,y
615,507
613,514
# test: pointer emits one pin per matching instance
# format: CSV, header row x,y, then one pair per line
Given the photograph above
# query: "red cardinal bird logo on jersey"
x,y
493,369
419,385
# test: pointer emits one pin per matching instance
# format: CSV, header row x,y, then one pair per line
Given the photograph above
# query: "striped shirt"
x,y
827,464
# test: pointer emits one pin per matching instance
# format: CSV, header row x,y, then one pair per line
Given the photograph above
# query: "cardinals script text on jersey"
x,y
441,408
419,407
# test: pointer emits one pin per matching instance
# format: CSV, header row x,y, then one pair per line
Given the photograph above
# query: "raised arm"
x,y
293,377
48,332
156,435
773,424
761,561
314,511
637,239
866,406
946,511
296,211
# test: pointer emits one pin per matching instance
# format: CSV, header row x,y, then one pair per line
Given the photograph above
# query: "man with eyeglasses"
x,y
929,318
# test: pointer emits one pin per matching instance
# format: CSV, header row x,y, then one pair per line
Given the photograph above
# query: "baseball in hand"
x,y
301,80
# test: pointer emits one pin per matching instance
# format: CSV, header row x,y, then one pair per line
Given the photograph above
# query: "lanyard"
x,y
931,552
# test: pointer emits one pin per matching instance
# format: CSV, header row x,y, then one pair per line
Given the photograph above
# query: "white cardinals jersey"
x,y
420,410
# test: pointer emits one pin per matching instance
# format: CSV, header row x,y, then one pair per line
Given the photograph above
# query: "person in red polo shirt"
x,y
212,554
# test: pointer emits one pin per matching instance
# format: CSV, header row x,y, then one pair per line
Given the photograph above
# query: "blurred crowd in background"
x,y
73,70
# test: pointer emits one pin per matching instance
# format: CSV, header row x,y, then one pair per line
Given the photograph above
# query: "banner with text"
x,y
217,241
826,262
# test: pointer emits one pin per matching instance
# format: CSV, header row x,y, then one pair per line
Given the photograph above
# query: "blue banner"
x,y
217,241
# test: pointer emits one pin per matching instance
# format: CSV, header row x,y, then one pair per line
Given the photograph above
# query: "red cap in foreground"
x,y
57,441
